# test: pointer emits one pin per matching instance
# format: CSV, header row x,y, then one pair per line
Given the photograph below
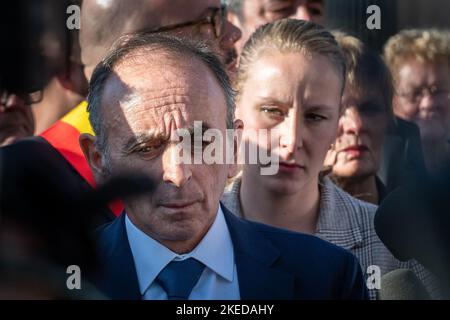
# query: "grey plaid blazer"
x,y
348,222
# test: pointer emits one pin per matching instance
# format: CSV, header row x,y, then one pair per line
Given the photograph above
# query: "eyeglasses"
x,y
215,17
27,98
415,96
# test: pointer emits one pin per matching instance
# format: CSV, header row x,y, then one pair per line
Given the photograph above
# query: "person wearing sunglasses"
x,y
16,118
203,20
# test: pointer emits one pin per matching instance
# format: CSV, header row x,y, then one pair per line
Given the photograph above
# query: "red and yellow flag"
x,y
64,136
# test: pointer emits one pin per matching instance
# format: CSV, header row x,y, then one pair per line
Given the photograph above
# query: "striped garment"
x,y
348,222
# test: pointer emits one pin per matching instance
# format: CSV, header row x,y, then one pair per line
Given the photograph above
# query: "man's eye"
x,y
314,117
315,11
201,144
148,150
285,10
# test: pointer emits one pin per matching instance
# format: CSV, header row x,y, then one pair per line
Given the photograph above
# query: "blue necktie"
x,y
178,278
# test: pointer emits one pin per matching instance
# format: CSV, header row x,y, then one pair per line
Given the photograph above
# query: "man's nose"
x,y
302,12
291,136
12,101
427,102
230,36
175,172
352,122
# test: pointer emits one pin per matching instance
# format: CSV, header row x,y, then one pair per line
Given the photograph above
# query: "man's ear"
x,y
234,19
93,156
65,79
234,168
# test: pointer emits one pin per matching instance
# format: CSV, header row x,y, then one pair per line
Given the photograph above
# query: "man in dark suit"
x,y
402,161
178,242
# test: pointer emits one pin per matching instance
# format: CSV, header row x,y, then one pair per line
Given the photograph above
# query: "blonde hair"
x,y
366,70
426,45
290,35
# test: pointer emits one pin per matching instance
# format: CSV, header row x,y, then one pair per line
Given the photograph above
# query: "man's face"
x,y
16,119
256,13
154,14
157,95
422,96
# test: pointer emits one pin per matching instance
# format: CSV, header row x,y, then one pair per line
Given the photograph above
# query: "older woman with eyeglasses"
x,y
290,82
420,63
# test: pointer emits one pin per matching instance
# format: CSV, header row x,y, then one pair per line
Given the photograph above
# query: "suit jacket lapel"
x,y
256,262
119,278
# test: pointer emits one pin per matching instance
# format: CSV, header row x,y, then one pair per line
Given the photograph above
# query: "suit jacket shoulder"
x,y
317,269
271,264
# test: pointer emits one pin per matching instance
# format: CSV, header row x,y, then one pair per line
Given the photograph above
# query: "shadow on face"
x,y
255,13
299,108
141,115
16,119
361,132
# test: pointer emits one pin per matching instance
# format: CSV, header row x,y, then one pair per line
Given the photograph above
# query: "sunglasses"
x,y
215,17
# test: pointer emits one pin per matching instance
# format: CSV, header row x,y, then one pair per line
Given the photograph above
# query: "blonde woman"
x,y
290,82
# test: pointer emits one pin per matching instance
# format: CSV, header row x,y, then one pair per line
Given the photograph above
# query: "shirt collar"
x,y
215,251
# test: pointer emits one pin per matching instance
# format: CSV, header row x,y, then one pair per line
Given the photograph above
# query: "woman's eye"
x,y
273,111
313,117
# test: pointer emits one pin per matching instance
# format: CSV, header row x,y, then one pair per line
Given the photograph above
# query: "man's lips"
x,y
178,205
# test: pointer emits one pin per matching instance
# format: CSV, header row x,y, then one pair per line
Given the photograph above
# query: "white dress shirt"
x,y
219,278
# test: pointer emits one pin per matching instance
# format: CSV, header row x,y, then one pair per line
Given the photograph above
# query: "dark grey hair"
x,y
150,43
236,6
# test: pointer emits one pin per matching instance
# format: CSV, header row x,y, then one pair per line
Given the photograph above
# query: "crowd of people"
x,y
90,171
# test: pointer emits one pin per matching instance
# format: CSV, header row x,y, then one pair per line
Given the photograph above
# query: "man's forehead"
x,y
159,70
157,82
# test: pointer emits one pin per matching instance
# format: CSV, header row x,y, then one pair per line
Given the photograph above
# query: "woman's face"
x,y
431,111
296,99
362,126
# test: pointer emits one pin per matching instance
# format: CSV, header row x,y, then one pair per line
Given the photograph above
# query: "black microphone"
x,y
413,222
402,284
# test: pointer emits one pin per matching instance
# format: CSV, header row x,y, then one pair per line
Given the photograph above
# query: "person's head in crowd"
x,y
301,103
32,38
290,82
16,117
248,15
366,114
67,87
135,117
420,64
105,21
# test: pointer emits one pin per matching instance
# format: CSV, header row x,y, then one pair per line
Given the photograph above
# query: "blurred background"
x,y
350,16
